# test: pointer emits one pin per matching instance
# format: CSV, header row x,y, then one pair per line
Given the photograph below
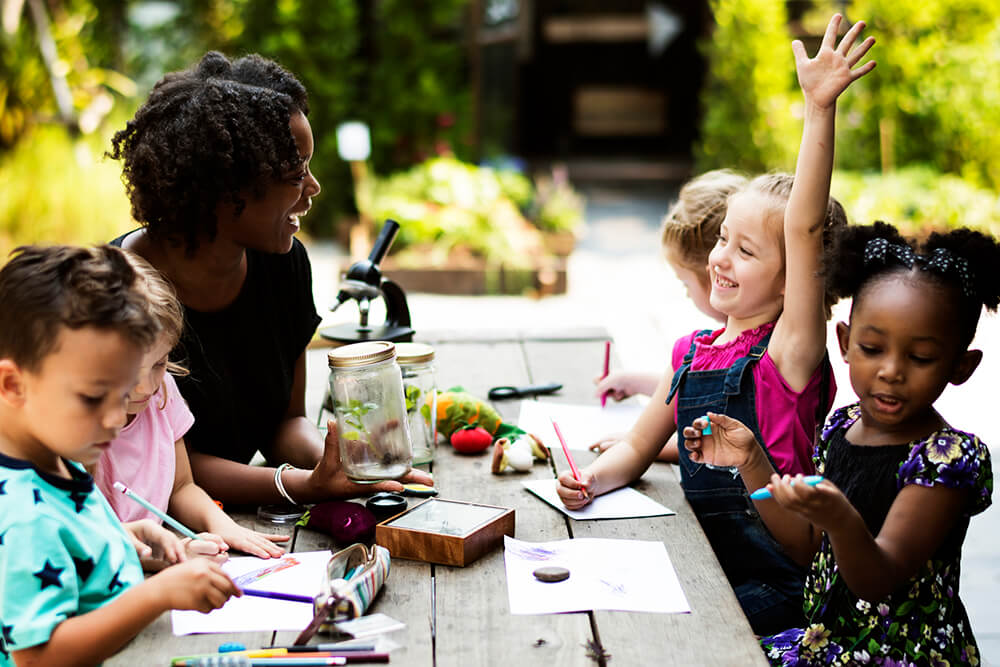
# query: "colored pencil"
x,y
607,369
569,457
274,595
166,518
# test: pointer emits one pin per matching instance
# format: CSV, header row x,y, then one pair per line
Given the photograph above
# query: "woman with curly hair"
x,y
216,165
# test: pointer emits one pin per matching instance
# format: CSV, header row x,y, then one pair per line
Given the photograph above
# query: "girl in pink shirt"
x,y
765,278
149,455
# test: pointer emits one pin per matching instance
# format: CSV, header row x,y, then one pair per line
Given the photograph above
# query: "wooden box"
x,y
449,532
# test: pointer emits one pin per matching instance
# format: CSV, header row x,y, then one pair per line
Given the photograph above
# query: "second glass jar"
x,y
416,361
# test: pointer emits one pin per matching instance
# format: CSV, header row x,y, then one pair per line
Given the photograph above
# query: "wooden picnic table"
x,y
460,615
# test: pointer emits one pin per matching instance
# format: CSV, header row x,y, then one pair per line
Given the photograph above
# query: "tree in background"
x,y
935,95
747,100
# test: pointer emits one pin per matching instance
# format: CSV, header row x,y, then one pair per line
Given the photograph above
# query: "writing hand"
x,y
824,77
575,494
198,584
730,442
620,386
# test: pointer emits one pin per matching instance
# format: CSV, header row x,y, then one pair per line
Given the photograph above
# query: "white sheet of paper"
x,y
581,425
302,576
617,575
623,503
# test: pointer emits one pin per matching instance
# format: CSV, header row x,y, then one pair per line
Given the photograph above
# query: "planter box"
x,y
547,277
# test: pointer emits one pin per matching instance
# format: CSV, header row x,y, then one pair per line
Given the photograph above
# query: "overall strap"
x,y
734,377
679,373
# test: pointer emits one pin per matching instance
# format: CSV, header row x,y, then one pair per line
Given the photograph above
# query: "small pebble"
x,y
551,573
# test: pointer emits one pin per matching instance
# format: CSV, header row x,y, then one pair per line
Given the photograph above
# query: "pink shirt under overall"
x,y
142,457
787,418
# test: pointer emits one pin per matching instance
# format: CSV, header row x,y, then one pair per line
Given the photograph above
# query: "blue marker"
x,y
762,493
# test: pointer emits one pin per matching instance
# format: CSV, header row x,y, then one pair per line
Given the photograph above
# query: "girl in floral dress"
x,y
884,530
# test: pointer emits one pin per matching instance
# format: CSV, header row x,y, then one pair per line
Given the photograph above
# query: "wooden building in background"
x,y
608,88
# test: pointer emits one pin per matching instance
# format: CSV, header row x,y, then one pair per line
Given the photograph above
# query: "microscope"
x,y
364,283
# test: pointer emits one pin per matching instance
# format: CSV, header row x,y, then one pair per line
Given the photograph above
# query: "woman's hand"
x,y
826,76
620,386
729,444
575,494
329,478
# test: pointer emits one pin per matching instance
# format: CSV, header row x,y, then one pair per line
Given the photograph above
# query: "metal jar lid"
x,y
361,354
414,353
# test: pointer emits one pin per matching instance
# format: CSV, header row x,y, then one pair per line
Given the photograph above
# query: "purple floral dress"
x,y
924,621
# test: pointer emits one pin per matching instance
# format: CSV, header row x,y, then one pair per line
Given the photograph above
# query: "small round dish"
x,y
386,504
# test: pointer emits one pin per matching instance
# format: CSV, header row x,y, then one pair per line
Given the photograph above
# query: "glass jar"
x,y
367,390
416,361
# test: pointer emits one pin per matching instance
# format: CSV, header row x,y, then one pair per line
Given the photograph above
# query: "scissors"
x,y
501,393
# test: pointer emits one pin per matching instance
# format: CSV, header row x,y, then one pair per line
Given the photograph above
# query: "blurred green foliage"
x,y
60,190
748,93
451,210
917,199
934,97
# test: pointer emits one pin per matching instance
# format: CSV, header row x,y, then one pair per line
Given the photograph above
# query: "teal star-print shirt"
x,y
63,553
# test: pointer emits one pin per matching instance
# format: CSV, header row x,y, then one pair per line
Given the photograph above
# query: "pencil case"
x,y
352,579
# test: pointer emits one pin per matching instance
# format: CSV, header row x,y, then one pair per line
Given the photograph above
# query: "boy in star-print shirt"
x,y
75,325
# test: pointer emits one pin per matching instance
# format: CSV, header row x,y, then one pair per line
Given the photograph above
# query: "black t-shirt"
x,y
242,358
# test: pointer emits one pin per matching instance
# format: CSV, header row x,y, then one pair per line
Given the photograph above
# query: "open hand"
x,y
251,542
730,443
824,77
329,476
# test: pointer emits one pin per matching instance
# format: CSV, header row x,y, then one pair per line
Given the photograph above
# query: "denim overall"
x,y
767,582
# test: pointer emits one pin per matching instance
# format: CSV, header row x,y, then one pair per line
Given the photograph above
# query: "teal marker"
x,y
708,426
762,493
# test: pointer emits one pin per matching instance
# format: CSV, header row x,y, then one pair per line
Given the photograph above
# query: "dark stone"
x,y
551,573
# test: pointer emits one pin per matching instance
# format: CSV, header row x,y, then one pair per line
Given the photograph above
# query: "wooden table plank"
x,y
474,623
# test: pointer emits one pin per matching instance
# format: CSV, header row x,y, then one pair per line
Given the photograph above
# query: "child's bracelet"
x,y
278,484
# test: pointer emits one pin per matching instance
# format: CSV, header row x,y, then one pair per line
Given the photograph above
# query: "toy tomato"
x,y
471,440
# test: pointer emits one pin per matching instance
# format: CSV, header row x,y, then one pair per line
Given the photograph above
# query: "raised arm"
x,y
799,339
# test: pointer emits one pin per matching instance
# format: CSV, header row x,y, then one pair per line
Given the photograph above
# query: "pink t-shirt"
x,y
142,457
787,419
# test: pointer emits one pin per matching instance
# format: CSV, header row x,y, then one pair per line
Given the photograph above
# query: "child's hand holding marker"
x,y
719,440
573,487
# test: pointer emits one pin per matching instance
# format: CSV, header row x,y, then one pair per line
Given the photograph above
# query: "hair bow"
x,y
940,261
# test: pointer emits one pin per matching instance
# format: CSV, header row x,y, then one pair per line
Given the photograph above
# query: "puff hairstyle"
x,y
208,135
848,275
46,288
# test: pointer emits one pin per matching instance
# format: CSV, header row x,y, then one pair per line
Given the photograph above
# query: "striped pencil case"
x,y
353,577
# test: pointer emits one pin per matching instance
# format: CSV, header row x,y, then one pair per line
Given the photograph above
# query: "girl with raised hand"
x,y
768,365
884,530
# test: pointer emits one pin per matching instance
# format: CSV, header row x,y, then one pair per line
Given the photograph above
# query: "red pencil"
x,y
569,457
607,368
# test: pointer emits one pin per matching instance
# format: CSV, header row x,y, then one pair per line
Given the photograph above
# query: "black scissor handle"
x,y
501,393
